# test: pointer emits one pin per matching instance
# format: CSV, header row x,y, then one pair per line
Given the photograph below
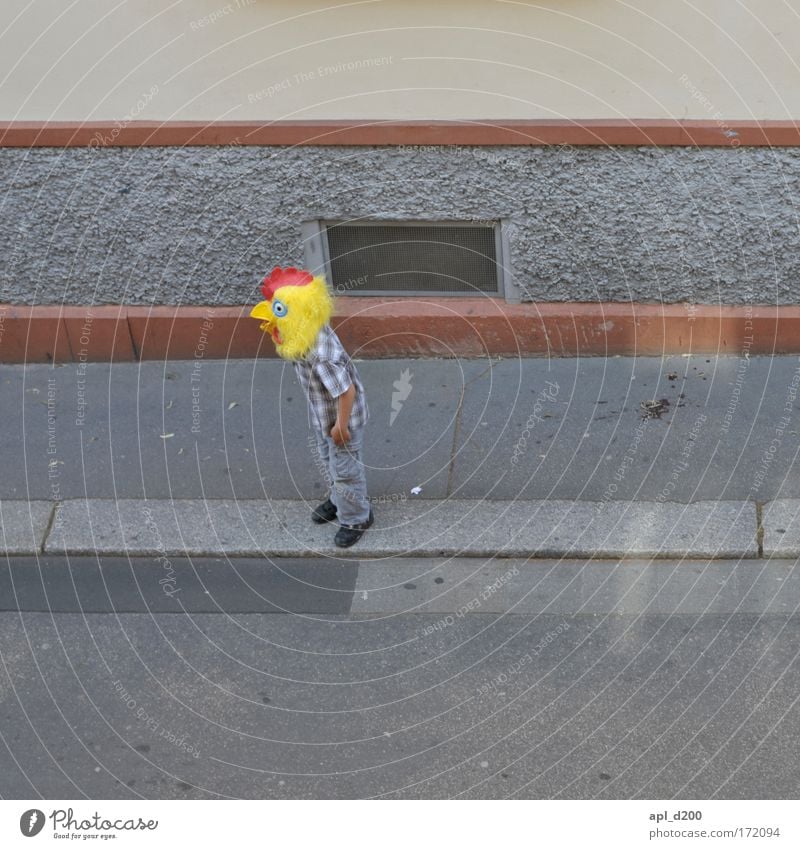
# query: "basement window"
x,y
408,257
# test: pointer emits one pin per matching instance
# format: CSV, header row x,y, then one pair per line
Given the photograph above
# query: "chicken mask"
x,y
295,308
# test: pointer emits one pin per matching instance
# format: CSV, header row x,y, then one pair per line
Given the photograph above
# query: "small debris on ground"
x,y
654,409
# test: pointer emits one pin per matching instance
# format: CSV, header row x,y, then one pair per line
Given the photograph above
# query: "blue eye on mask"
x,y
279,309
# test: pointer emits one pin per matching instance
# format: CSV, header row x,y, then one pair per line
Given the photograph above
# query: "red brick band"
x,y
599,132
415,327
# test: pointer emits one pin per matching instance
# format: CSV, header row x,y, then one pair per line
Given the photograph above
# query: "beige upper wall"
x,y
445,59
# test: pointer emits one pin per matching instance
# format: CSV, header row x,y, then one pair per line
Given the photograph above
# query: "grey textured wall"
x,y
201,225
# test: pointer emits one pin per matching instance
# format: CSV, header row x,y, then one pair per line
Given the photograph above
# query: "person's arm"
x,y
340,433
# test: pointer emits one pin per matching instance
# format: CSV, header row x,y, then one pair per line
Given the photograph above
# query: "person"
x,y
296,312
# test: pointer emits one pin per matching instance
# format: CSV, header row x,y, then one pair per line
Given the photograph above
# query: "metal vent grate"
x,y
450,258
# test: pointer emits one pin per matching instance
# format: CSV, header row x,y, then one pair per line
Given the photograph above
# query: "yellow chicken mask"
x,y
295,308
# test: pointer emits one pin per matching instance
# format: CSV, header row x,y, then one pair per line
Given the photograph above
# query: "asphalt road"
x,y
412,679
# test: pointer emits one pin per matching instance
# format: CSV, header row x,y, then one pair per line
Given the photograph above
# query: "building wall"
x,y
405,59
201,225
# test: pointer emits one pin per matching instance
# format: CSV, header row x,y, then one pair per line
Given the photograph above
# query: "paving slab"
x,y
575,429
416,528
23,525
164,430
414,406
214,429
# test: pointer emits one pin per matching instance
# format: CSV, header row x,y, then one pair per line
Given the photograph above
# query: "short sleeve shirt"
x,y
325,373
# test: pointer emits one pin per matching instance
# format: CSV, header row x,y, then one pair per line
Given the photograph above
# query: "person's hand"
x,y
340,434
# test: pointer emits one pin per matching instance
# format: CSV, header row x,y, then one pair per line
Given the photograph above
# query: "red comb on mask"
x,y
284,277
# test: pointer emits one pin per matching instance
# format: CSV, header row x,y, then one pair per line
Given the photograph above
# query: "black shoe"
x,y
348,535
326,512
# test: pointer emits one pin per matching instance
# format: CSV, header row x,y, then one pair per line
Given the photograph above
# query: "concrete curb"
x,y
24,525
424,528
781,528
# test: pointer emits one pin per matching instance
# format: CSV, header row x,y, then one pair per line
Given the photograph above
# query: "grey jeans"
x,y
342,468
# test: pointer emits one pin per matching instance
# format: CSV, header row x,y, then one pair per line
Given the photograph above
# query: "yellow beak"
x,y
263,311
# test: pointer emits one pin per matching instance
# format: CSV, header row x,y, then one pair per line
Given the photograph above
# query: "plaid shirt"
x,y
325,373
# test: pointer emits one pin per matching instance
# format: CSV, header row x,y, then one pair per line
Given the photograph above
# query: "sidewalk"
x,y
519,458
